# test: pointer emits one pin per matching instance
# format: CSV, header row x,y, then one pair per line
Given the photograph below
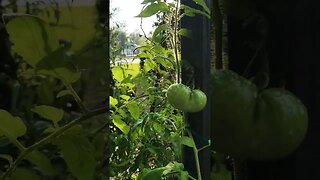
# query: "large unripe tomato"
x,y
185,99
233,101
280,125
256,125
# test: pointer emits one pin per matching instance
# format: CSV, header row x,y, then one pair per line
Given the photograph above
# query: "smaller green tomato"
x,y
183,98
197,101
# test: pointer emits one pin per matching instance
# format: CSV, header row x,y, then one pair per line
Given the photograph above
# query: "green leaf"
x,y
158,30
41,161
59,65
185,32
24,174
187,141
11,127
148,1
112,101
202,4
64,93
49,112
116,120
153,9
134,110
118,74
189,11
157,127
78,153
151,174
32,37
149,65
125,97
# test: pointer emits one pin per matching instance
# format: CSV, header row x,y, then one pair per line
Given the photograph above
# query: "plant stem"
x,y
175,39
192,178
76,97
49,138
196,156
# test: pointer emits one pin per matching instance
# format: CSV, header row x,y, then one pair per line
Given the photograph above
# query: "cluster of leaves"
x,y
42,134
145,127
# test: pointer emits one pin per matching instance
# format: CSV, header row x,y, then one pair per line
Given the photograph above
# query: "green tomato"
x,y
260,126
183,98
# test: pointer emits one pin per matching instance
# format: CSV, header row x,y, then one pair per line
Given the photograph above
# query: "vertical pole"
x,y
195,55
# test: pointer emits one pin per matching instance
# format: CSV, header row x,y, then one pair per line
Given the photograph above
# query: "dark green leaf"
x,y
153,9
185,32
64,93
134,110
49,112
11,127
189,11
151,174
202,4
78,153
24,174
41,161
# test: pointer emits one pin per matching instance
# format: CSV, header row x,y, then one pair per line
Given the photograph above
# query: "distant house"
x,y
130,49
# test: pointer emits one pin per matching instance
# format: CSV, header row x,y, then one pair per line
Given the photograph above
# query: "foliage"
x,y
42,134
145,127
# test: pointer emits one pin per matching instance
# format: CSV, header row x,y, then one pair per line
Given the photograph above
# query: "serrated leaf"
x,y
32,37
41,161
78,153
185,32
116,120
24,174
11,127
49,113
134,110
63,93
203,5
153,9
187,141
112,101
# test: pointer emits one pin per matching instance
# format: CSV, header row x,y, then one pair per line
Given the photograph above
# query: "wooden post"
x,y
196,65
